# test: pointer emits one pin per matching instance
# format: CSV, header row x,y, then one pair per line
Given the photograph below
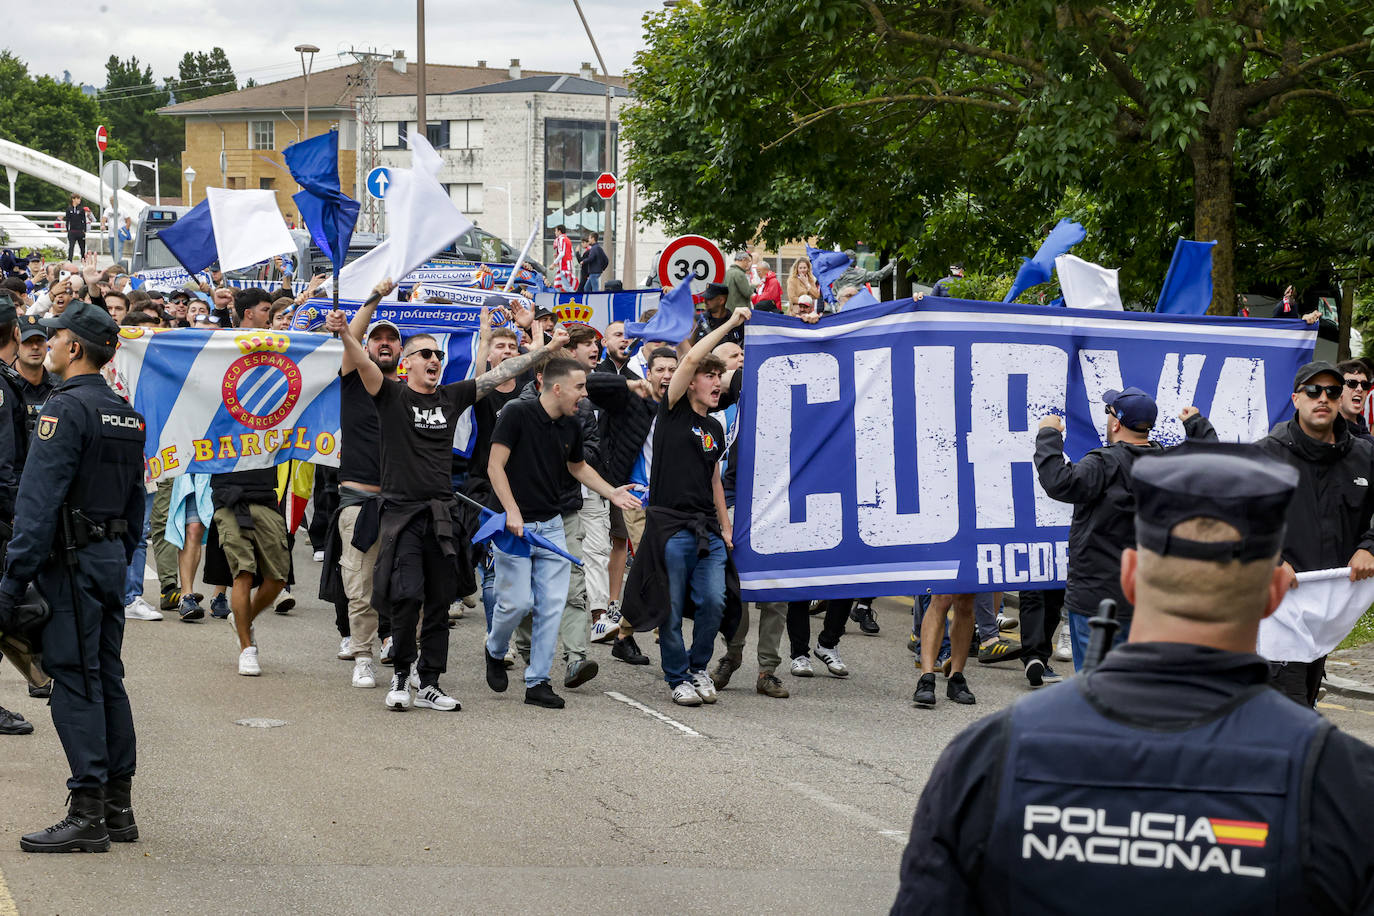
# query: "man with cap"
x,y
1099,486
715,314
1170,779
81,503
542,328
943,286
34,381
1329,519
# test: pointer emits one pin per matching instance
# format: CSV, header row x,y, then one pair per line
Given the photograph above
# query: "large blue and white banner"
x,y
469,273
888,450
600,309
310,317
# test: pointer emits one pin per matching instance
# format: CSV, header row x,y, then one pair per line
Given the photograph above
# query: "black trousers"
x,y
1299,681
90,708
424,583
836,614
325,503
74,242
1040,614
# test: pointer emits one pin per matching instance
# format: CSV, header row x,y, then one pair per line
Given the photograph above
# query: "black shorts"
x,y
618,529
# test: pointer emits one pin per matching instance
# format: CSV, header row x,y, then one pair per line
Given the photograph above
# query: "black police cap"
x,y
30,326
87,321
7,310
1230,482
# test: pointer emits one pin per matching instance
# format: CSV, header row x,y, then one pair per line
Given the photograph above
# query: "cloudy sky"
x,y
258,35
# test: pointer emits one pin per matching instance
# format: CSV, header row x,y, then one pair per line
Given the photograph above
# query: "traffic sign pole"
x,y
102,138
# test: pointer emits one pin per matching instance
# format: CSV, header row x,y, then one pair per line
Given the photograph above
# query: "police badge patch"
x,y
46,426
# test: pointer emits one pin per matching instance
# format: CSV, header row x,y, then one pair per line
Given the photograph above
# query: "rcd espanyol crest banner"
x,y
231,400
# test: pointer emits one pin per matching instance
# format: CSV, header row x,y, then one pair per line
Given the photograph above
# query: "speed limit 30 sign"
x,y
691,256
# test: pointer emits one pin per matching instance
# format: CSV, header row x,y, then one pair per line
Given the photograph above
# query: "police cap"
x,y
87,321
715,290
7,310
1230,482
30,326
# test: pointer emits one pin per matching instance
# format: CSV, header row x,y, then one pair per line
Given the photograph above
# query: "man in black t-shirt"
x,y
535,440
424,562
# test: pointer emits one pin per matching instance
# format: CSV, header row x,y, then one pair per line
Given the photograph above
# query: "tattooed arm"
x,y
518,365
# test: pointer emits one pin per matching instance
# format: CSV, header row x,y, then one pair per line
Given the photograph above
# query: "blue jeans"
x,y
705,576
488,569
133,582
537,583
1080,631
593,283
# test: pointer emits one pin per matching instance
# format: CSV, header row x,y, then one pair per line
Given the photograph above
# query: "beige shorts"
x,y
261,551
634,526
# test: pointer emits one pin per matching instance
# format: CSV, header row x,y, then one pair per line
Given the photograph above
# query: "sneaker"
x,y
319,556
580,672
1035,672
248,662
1005,623
398,697
542,694
364,675
924,697
471,600
1051,676
510,660
171,597
701,682
11,723
284,603
219,607
607,626
996,650
345,649
832,660
188,610
41,693
913,644
627,651
769,685
252,632
862,614
455,611
386,658
817,608
138,609
725,669
433,697
1063,652
413,682
497,679
685,694
801,667
957,690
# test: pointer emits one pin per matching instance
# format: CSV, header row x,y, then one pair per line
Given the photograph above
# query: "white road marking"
x,y
635,704
848,810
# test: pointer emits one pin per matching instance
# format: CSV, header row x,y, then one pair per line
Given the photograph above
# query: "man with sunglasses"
x,y
1329,518
1356,393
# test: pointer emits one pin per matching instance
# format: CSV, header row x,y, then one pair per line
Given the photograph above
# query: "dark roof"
x,y
564,84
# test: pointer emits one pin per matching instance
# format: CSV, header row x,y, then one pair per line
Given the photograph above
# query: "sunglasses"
x,y
1315,391
1353,383
427,353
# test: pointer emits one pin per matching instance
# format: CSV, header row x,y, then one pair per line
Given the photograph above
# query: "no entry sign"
x,y
691,256
605,185
102,138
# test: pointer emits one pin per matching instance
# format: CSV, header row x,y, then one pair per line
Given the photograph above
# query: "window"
x,y
464,134
261,135
237,184
466,197
266,184
393,133
572,162
437,134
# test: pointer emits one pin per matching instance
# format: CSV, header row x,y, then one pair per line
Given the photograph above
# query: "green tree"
x,y
201,74
128,106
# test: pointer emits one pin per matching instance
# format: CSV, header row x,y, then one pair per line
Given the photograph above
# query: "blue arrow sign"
x,y
378,180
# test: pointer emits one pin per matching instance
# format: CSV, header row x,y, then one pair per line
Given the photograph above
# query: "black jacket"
x,y
594,260
570,491
1329,517
626,419
608,365
1099,486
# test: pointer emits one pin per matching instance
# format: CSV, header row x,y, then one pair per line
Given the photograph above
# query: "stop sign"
x,y
605,185
101,138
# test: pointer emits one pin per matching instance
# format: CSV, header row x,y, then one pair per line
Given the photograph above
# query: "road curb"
x,y
1347,687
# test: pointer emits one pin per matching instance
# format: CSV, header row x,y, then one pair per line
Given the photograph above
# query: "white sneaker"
x,y
346,649
607,626
364,675
398,697
801,667
832,660
685,694
138,609
234,631
471,600
319,556
704,686
455,611
1063,652
433,697
413,682
248,662
385,656
511,659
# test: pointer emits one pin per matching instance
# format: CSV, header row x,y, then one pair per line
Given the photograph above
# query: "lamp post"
x,y
606,146
157,178
305,71
190,176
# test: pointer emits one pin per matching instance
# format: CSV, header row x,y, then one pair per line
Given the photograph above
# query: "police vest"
x,y
1094,814
112,462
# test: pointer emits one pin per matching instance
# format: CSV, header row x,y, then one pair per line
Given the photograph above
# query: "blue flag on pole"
x,y
674,319
1040,268
329,213
1188,284
191,239
827,267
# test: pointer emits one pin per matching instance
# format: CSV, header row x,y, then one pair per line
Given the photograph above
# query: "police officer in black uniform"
x,y
30,377
79,510
13,446
1172,779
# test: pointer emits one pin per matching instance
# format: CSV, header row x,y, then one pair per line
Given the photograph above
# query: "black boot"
x,y
119,813
82,830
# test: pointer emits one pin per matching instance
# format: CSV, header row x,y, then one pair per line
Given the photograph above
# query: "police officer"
x,y
80,508
1172,778
31,377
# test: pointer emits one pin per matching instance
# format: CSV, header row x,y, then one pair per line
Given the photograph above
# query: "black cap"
x,y
1232,482
30,326
543,312
87,321
1134,408
1312,370
715,289
7,310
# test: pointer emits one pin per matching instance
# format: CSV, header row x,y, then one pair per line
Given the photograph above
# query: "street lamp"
x,y
157,178
190,176
305,71
606,147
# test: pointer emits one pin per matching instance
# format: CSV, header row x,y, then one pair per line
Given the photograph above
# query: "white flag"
x,y
1087,285
248,227
421,221
1315,616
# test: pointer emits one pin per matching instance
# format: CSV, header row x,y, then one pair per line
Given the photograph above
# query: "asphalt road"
x,y
620,802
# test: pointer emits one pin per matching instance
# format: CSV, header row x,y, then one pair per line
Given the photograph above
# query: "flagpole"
x,y
524,252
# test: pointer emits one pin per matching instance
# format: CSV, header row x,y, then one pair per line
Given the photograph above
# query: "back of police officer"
x,y
1171,779
78,511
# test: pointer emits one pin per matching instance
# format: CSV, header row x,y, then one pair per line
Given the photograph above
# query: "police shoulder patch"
x,y
47,425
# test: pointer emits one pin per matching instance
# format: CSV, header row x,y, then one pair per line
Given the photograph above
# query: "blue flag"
x,y
329,213
827,266
1040,268
674,319
191,239
494,529
1188,284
